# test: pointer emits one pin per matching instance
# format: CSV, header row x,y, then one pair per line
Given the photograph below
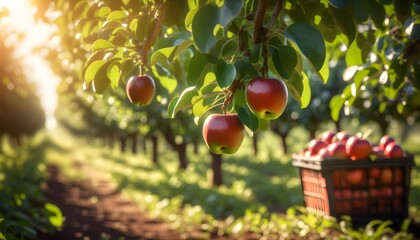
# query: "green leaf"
x,y
305,98
310,42
104,11
386,2
295,86
173,40
225,73
184,101
102,44
197,69
402,9
160,57
336,104
324,73
247,117
113,73
165,78
92,69
354,55
359,10
142,27
203,25
284,61
180,49
345,23
377,13
206,19
189,18
116,16
245,71
127,68
101,81
55,216
171,106
338,3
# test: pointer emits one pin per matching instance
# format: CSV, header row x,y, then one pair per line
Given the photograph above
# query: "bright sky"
x,y
37,33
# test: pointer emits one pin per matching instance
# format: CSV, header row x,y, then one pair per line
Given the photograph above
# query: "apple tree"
x,y
204,54
21,113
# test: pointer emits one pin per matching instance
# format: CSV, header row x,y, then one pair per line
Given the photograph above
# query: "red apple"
x,y
399,191
315,146
336,178
140,89
358,148
223,133
393,150
375,173
384,141
328,136
341,136
399,175
266,97
337,150
378,152
324,153
374,193
354,176
386,176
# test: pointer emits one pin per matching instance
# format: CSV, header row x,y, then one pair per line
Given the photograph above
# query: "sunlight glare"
x,y
36,34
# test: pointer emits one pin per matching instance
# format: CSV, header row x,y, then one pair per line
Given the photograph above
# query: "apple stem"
x,y
230,93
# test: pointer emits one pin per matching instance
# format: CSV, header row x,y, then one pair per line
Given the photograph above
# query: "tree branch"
x,y
159,15
259,31
276,11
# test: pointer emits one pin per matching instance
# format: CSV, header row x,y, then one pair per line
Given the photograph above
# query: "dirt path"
x,y
94,209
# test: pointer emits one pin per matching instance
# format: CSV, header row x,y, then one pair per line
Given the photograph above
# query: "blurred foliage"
x,y
261,194
20,110
24,211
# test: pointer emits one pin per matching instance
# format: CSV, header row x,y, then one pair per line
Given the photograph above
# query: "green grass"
x,y
254,189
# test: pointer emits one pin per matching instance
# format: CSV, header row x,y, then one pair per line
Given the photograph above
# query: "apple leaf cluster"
x,y
204,53
228,41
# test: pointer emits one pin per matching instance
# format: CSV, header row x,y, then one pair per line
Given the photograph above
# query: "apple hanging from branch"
x,y
141,89
223,133
266,97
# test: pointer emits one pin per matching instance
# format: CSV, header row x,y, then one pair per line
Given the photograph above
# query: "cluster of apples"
x,y
383,195
342,145
266,98
385,184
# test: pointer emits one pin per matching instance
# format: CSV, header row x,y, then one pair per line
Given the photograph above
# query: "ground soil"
x,y
94,209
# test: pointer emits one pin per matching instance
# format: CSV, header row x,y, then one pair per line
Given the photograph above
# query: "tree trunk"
x,y
182,155
179,148
312,132
216,166
134,144
143,144
383,125
195,145
123,142
337,126
155,150
284,143
255,144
